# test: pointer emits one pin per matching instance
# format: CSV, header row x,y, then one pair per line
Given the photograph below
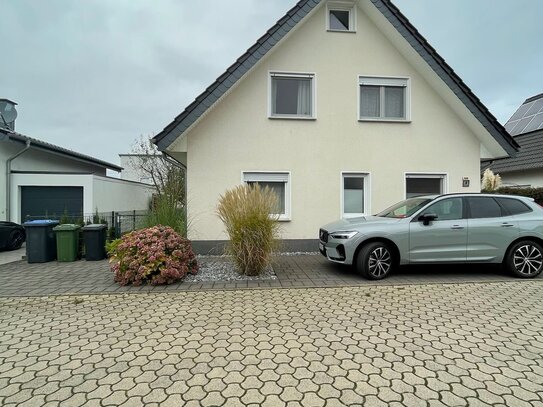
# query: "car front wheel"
x,y
525,259
375,261
16,239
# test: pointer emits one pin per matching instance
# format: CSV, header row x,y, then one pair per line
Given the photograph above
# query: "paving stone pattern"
x,y
23,279
473,344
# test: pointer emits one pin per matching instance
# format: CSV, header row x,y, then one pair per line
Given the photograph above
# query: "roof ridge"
x,y
533,98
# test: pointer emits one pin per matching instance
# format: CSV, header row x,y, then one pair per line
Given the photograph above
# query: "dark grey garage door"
x,y
37,202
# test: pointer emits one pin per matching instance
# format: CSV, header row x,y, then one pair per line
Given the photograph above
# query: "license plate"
x,y
321,246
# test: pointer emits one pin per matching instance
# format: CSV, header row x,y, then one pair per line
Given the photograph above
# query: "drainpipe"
x,y
8,179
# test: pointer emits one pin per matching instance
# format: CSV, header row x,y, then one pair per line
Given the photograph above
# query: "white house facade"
x,y
339,111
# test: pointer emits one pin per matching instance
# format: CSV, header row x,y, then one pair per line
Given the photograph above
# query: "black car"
x,y
12,236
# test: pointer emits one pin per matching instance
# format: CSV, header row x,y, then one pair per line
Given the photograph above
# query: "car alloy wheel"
x,y
16,240
379,262
527,260
376,260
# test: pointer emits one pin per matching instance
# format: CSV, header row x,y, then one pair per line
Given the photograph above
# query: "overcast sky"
x,y
93,75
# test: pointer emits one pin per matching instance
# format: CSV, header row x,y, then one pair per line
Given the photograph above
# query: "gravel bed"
x,y
213,270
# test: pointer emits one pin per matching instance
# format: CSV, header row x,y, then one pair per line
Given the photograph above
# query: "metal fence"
x,y
118,222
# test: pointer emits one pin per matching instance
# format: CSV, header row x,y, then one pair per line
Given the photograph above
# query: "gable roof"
x,y
529,157
244,63
42,145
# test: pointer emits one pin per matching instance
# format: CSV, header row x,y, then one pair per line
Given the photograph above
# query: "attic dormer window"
x,y
340,17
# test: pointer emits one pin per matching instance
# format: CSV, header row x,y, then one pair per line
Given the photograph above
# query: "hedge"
x,y
536,193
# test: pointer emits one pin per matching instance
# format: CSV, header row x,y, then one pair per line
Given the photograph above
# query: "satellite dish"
x,y
8,112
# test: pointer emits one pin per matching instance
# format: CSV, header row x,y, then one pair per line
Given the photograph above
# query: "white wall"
x,y
20,180
131,169
529,178
106,194
237,134
112,194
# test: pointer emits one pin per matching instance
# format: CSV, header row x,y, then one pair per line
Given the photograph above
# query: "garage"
x,y
47,201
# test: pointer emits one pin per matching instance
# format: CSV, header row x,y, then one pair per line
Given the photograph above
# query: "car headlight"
x,y
343,234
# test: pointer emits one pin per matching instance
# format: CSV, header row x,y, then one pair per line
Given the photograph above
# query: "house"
x,y
526,168
343,108
131,167
39,179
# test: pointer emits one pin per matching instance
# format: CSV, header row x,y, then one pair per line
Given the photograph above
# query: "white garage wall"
x,y
106,194
112,194
57,180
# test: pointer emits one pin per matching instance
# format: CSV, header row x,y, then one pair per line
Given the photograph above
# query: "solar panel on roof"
x,y
535,124
528,117
536,107
519,114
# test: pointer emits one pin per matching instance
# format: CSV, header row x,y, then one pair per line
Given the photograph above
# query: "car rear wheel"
x,y
16,239
375,261
525,259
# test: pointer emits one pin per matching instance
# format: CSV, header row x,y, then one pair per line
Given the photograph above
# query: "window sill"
x,y
284,219
291,118
383,120
341,31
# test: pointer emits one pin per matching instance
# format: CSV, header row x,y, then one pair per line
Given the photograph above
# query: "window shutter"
x,y
265,177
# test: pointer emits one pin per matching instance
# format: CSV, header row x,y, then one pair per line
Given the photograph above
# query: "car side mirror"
x,y
426,218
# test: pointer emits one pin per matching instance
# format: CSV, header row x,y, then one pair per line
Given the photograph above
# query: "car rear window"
x,y
484,207
514,206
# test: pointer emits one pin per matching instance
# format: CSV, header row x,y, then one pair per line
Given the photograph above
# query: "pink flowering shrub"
x,y
156,255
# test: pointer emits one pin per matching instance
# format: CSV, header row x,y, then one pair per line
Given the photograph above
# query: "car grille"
x,y
323,236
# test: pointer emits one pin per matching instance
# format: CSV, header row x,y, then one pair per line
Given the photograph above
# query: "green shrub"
x,y
535,193
167,212
245,212
156,255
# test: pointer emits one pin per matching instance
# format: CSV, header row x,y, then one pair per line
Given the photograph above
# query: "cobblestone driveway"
x,y
414,345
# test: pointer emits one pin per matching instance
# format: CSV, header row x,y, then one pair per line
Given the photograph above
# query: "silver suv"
x,y
455,228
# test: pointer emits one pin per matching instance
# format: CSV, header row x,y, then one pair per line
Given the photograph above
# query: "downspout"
x,y
8,179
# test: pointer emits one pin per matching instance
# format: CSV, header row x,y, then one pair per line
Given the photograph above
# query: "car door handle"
x,y
457,227
507,225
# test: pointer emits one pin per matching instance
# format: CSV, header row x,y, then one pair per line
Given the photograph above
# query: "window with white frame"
x,y
354,192
424,184
292,95
383,98
340,16
279,183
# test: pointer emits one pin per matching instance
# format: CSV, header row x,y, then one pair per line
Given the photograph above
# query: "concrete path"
x,y
471,344
7,257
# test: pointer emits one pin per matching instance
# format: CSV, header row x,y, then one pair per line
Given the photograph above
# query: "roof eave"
x,y
34,143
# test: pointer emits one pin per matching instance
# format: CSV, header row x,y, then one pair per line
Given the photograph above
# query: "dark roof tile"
x,y
529,156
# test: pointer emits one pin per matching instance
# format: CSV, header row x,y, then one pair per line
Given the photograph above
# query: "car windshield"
x,y
404,209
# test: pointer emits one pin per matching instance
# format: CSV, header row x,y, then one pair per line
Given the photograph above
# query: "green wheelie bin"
x,y
67,242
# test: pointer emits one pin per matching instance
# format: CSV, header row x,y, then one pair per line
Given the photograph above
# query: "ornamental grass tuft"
x,y
245,211
156,255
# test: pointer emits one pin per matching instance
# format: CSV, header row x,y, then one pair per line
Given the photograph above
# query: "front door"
x,y
442,240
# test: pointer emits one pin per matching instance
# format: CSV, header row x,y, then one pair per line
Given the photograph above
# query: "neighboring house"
x,y
39,179
132,171
526,168
342,108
